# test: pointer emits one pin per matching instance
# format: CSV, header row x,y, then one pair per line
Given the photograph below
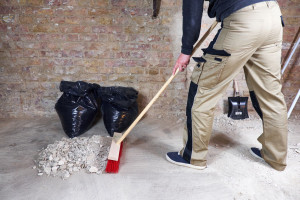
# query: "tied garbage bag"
x,y
119,107
78,106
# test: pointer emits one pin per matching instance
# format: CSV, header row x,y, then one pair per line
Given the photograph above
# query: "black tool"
x,y
238,106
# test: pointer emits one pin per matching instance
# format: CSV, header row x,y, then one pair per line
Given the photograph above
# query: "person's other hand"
x,y
182,62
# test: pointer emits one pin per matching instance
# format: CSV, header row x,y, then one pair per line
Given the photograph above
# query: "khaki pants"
x,y
249,39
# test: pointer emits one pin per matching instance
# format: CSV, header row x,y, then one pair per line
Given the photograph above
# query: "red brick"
x,y
12,2
49,37
31,53
137,11
71,11
20,28
169,3
150,78
26,19
154,38
98,11
154,71
135,46
54,54
91,54
69,2
137,54
136,63
46,11
118,2
292,11
16,53
28,37
52,2
137,70
28,45
118,37
72,20
294,21
63,62
84,3
3,28
75,29
138,38
288,38
89,37
122,78
45,28
120,20
35,2
72,53
114,63
98,54
288,3
161,47
120,55
4,54
99,29
50,45
105,70
98,20
70,37
166,55
135,3
73,46
96,46
57,19
93,78
101,3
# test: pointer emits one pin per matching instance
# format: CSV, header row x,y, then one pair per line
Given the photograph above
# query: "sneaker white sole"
x,y
256,156
185,164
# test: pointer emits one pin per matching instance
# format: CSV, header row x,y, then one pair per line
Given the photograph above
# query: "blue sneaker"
x,y
256,153
175,158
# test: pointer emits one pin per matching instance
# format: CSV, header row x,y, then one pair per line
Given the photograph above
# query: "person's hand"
x,y
181,63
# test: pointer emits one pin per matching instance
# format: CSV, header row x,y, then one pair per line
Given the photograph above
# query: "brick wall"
x,y
291,79
109,42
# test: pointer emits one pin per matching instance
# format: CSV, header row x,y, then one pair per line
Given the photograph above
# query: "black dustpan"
x,y
238,106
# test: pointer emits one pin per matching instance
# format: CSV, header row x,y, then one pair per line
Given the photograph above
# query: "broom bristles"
x,y
112,165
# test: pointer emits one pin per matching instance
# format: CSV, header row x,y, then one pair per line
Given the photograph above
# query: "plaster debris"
x,y
93,169
8,18
67,156
51,2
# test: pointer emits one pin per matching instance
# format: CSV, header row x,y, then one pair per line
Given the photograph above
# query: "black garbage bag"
x,y
119,107
78,106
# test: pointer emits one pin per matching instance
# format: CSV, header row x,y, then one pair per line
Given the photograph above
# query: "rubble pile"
x,y
67,156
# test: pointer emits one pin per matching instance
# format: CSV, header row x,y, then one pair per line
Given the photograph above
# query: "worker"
x,y
250,38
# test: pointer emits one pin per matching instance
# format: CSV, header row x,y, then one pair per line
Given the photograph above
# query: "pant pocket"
x,y
211,71
197,70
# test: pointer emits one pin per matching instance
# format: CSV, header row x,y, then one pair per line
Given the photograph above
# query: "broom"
x,y
115,151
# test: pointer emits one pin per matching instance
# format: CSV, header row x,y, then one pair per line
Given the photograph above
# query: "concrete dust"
x,y
68,156
253,178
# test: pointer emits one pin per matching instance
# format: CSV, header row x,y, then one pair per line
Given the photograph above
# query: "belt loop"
x,y
253,7
268,4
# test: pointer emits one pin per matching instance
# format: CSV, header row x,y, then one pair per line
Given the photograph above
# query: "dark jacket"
x,y
192,15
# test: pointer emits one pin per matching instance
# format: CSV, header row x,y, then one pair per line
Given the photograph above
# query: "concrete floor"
x,y
144,173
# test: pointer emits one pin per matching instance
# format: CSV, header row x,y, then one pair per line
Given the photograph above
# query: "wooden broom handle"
x,y
236,88
164,87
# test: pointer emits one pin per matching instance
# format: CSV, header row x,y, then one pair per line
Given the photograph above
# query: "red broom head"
x,y
112,165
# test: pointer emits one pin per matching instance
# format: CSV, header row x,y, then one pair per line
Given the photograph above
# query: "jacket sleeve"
x,y
192,15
